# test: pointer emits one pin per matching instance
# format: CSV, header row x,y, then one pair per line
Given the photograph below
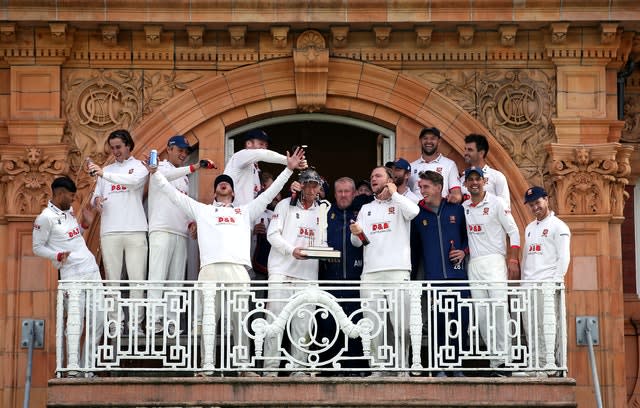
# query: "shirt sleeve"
x,y
408,208
40,239
564,250
247,157
99,190
276,226
355,241
173,173
508,223
257,206
502,188
187,204
454,182
133,181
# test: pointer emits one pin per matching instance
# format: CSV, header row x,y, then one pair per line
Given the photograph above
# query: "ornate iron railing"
x,y
423,327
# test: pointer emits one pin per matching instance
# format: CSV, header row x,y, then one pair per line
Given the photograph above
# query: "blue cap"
x,y
473,169
179,141
257,134
534,193
402,164
432,130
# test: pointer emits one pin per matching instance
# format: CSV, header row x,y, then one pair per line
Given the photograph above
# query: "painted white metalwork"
x,y
444,334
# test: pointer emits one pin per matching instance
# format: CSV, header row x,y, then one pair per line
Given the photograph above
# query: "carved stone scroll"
x,y
311,59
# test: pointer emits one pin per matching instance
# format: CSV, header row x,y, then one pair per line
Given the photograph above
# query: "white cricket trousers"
x,y
220,273
541,326
374,297
167,261
492,313
133,247
281,288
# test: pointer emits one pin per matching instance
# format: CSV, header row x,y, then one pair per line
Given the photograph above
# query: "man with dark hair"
x,y
123,228
431,159
475,155
243,165
168,230
224,238
489,220
57,236
401,170
439,240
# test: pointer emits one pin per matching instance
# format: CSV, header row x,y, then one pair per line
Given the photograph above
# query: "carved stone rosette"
x,y
589,179
311,59
26,173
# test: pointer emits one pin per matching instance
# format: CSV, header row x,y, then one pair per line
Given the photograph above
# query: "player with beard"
x,y
401,170
476,148
432,160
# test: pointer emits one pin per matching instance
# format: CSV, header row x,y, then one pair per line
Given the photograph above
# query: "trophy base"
x,y
320,253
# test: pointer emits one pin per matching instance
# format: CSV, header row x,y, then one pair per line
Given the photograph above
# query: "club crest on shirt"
x,y
485,211
36,226
392,210
545,232
130,171
237,210
452,219
297,216
425,222
439,170
333,216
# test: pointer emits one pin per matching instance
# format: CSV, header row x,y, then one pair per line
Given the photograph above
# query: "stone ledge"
x,y
316,392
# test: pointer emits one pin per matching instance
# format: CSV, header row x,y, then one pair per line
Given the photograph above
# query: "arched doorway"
x,y
394,101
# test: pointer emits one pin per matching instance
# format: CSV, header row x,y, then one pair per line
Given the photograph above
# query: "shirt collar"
x,y
436,160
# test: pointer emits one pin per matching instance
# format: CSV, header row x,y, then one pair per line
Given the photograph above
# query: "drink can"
x,y
153,158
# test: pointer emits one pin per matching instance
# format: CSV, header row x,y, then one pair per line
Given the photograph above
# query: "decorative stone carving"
x,y
280,35
559,32
631,130
27,173
465,35
58,32
339,36
7,32
311,60
152,35
508,35
237,35
423,36
383,35
196,36
110,34
608,32
589,179
100,101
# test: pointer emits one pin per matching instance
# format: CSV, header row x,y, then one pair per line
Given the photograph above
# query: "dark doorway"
x,y
335,150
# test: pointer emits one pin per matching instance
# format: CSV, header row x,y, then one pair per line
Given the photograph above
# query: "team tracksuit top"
x,y
242,167
431,236
224,231
56,231
546,249
164,215
443,165
122,186
293,227
387,226
485,223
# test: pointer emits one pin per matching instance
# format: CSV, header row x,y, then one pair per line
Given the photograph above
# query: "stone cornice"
x,y
366,11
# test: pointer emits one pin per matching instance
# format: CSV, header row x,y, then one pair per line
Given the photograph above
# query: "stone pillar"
x,y
32,154
589,171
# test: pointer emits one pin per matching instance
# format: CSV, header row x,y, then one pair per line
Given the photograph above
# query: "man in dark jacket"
x,y
348,267
439,238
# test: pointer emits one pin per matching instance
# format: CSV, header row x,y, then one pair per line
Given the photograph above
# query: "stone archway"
x,y
387,98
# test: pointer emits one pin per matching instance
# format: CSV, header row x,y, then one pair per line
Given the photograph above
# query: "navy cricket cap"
x,y
473,169
433,130
402,164
179,141
534,193
257,134
223,178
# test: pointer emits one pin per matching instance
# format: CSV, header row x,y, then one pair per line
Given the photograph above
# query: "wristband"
x,y
84,226
192,169
515,261
59,256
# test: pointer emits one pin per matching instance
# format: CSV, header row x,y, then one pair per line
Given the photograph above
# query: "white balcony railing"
x,y
418,326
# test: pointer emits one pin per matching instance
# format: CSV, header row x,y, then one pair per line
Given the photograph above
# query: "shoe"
x,y
271,374
403,374
530,374
158,327
74,374
441,374
248,374
89,374
499,372
203,374
299,374
458,374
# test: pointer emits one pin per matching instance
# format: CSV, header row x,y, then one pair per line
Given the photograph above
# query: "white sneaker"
x,y
298,374
404,374
538,374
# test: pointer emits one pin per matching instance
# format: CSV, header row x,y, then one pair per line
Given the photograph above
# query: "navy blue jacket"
x,y
431,236
339,237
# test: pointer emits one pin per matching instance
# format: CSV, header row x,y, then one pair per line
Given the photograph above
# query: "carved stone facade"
x,y
541,89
